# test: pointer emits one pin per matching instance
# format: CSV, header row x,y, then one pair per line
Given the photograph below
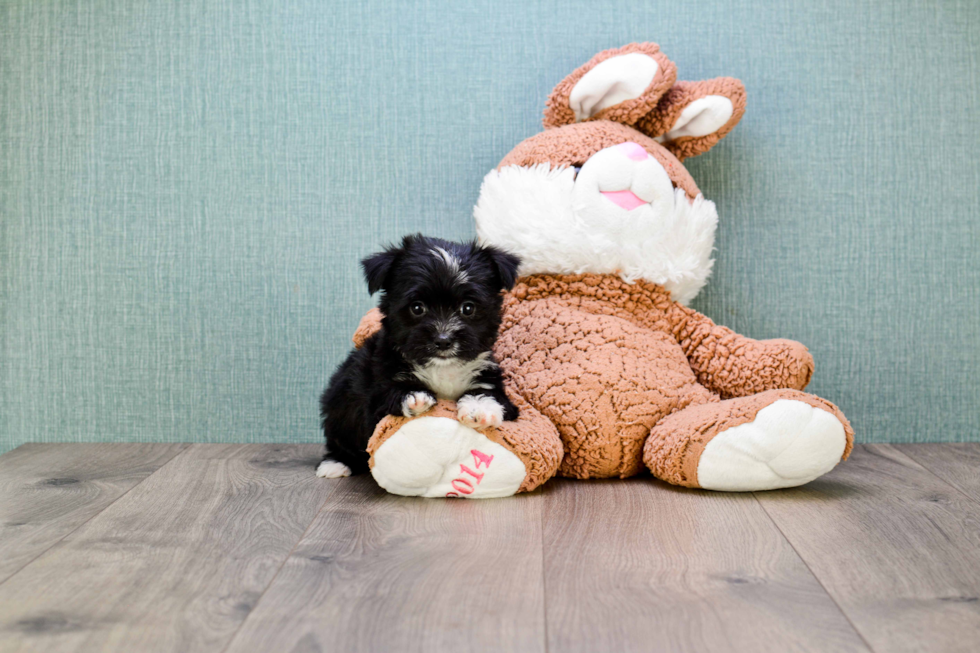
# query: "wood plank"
x,y
638,565
897,548
956,463
49,490
378,572
174,565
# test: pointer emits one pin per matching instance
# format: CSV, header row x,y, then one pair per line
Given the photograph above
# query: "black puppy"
x,y
441,305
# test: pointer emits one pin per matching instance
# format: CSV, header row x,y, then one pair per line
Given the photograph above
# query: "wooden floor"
x,y
169,547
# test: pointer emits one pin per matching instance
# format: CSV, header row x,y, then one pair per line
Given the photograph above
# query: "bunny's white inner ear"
x,y
615,80
700,118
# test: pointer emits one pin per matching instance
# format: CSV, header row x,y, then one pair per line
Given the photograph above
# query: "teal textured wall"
x,y
186,186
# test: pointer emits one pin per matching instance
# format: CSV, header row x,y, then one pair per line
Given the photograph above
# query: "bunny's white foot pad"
x,y
789,443
439,457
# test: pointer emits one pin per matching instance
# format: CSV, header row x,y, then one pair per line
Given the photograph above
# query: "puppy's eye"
x,y
467,309
417,308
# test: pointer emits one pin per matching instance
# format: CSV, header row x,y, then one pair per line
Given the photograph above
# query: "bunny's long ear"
x,y
622,85
693,116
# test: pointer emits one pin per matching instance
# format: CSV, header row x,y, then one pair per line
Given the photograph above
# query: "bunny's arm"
x,y
369,325
733,365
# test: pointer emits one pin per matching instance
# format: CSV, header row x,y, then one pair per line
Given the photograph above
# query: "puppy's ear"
x,y
504,264
377,266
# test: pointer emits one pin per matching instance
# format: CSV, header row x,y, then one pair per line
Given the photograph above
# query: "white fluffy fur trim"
x,y
530,211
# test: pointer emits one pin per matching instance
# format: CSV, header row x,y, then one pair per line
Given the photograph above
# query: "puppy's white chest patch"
x,y
449,379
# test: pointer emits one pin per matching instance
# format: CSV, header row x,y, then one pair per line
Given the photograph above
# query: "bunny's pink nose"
x,y
634,151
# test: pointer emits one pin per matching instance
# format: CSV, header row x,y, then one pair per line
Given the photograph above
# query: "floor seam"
x,y
289,555
61,539
840,608
941,479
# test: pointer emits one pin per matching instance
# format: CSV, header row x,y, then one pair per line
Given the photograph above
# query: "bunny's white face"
x,y
618,214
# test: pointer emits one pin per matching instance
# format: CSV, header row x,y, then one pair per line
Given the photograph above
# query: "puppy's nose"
x,y
443,341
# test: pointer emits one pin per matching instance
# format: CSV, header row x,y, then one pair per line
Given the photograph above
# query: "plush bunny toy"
x,y
611,371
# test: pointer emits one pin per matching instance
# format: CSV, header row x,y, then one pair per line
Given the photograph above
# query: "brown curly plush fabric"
x,y
672,104
558,112
606,361
369,325
617,376
674,448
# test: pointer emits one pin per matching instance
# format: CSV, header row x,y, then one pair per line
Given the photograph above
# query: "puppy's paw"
x,y
332,469
416,403
479,412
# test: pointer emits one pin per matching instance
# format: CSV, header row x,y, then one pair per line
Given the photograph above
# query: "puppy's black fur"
x,y
441,303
